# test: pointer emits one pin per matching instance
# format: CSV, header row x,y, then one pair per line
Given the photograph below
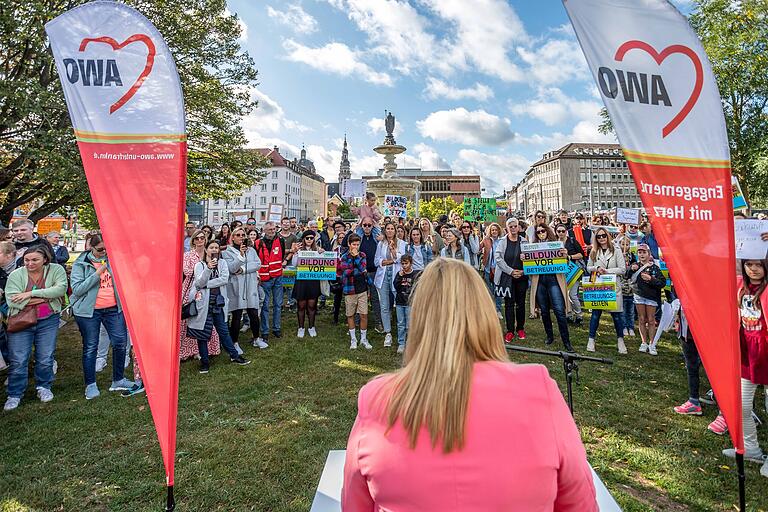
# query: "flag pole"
x,y
742,482
170,503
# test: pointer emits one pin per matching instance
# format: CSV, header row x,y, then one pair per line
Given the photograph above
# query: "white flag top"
x,y
653,76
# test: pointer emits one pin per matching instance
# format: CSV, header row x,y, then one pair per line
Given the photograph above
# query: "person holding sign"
x,y
575,254
387,261
509,280
604,258
306,292
647,281
548,291
453,246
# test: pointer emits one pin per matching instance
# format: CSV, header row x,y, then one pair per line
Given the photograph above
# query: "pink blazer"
x,y
522,452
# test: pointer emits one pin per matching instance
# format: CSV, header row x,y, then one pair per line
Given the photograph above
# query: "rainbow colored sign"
x,y
316,266
600,293
544,258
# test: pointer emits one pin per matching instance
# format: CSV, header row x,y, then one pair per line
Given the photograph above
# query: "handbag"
x,y
188,310
24,319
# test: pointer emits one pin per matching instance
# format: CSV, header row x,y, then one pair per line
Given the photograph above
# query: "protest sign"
x,y
573,274
275,213
353,188
544,258
600,293
316,266
628,216
289,277
395,206
749,244
739,203
480,209
613,230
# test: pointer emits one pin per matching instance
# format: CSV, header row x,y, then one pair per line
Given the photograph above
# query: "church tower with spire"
x,y
344,172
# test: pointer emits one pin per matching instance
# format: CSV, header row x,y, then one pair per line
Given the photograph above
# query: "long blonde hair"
x,y
447,334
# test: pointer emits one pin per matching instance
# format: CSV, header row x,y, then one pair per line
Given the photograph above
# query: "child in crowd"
x,y
369,209
354,285
404,281
626,287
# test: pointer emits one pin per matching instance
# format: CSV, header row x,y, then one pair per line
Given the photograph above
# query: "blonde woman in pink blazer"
x,y
460,428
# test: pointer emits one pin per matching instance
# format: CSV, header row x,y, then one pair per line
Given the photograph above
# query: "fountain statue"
x,y
390,183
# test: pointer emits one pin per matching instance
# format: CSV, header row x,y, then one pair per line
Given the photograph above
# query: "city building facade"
x,y
440,183
578,176
294,184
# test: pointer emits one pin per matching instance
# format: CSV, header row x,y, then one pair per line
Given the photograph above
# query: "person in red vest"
x,y
274,256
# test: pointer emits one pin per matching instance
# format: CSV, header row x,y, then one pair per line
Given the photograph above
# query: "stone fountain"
x,y
390,183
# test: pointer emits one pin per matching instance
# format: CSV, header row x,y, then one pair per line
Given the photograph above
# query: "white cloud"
x,y
552,107
326,161
295,17
436,88
269,117
375,126
555,61
498,172
335,58
459,125
583,131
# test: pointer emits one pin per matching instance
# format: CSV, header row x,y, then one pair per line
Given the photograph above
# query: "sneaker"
x,y
353,345
312,332
379,329
591,345
757,457
100,365
204,367
764,469
643,347
521,334
708,398
388,339
688,408
135,390
718,426
121,385
260,343
240,360
277,334
632,333
244,328
626,332
509,337
91,391
365,344
11,403
622,346
300,333
652,349
239,350
401,349
44,394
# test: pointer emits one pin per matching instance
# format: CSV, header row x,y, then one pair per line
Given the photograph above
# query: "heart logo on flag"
x,y
659,58
117,46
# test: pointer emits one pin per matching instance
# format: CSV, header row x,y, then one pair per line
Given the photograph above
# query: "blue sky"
x,y
479,86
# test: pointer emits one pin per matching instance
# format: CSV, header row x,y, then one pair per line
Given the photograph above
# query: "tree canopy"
x,y
39,160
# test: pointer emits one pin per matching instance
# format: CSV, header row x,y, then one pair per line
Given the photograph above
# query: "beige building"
x,y
578,176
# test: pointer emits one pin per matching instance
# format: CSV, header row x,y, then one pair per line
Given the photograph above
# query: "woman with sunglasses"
x,y
539,219
418,250
243,264
576,255
548,291
471,242
306,292
647,282
188,346
604,258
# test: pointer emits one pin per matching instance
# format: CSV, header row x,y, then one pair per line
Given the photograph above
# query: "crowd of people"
x,y
236,279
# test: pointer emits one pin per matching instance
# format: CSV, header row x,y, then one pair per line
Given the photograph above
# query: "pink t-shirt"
x,y
105,297
370,211
522,452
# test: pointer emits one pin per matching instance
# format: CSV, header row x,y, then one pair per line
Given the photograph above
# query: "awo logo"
x,y
632,86
105,72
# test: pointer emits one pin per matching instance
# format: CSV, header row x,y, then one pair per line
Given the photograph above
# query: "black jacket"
x,y
35,242
648,289
403,286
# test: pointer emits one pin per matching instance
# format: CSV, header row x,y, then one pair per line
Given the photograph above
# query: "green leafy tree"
x,y
39,161
344,211
437,206
735,37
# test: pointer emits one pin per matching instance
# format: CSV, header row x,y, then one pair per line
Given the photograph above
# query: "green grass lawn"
x,y
256,437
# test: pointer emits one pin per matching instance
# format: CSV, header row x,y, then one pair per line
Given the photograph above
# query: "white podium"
x,y
328,495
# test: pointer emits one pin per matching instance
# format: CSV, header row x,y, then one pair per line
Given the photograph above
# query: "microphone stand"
x,y
570,365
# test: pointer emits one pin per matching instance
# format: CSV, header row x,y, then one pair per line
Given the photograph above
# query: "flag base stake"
x,y
742,482
170,503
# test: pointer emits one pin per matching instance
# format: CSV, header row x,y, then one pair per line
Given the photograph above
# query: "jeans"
x,y
573,296
376,308
385,300
549,296
104,344
217,317
273,290
594,322
489,284
748,389
629,312
43,337
692,367
114,322
514,307
403,314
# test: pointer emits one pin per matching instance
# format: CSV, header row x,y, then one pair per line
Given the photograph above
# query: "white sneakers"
x,y
364,343
591,345
652,349
312,332
300,334
622,346
401,349
239,350
643,347
632,333
11,403
353,344
44,394
259,342
626,332
388,339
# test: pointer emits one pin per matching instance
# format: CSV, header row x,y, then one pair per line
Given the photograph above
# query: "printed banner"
x,y
289,277
543,258
353,188
629,216
395,206
600,293
124,98
316,266
480,209
739,202
657,84
749,243
275,213
573,274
